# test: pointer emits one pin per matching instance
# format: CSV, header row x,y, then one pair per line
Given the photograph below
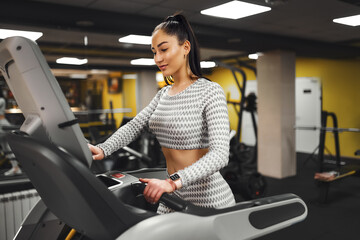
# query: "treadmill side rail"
x,y
229,225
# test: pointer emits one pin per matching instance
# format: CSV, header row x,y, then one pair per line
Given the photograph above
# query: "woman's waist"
x,y
177,159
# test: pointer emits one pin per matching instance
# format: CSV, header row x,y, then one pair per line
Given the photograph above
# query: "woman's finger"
x,y
144,180
96,157
158,196
153,194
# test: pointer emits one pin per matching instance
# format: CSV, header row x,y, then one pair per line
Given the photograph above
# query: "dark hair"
x,y
177,25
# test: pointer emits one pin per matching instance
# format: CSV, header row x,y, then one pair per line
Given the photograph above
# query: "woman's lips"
x,y
162,67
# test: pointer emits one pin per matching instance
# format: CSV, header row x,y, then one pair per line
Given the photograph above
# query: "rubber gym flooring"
x,y
336,219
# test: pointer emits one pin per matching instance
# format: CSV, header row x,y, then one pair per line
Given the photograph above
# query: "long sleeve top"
x,y
195,118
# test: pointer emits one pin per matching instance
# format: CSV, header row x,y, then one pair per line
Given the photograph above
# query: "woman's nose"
x,y
158,58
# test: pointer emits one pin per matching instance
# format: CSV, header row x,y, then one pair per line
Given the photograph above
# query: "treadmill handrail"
x,y
180,205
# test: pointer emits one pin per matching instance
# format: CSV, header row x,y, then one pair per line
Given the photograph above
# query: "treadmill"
x,y
54,154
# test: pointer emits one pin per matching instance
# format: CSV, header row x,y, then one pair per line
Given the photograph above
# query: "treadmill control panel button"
x,y
118,175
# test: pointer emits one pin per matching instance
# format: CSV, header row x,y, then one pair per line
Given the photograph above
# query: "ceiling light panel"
x,y
235,10
207,64
143,61
71,61
136,39
350,21
5,33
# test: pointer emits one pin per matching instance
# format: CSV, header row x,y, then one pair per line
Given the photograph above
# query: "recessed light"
x,y
136,39
143,61
254,55
350,21
71,61
235,10
5,33
207,64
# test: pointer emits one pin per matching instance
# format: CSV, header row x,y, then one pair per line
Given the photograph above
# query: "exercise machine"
x,y
241,172
55,156
82,201
330,172
339,172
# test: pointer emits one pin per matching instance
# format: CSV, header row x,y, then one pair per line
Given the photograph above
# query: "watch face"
x,y
174,176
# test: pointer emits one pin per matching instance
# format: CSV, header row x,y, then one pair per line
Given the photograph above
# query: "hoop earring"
x,y
169,80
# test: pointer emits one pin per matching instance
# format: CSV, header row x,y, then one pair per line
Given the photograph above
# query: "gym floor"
x,y
338,218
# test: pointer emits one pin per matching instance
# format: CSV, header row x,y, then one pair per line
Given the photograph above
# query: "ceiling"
x,y
302,26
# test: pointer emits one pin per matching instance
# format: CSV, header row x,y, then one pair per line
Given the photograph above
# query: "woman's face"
x,y
169,55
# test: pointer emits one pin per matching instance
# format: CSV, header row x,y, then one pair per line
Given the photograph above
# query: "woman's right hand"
x,y
97,153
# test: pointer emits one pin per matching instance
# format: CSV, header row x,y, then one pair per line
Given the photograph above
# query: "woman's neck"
x,y
181,78
180,83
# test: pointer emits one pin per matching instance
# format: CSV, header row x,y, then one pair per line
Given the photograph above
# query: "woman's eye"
x,y
164,50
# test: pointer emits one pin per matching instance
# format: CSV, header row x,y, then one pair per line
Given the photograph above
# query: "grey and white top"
x,y
195,118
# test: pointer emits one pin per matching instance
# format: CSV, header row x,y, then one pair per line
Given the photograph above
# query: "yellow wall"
x,y
341,95
125,99
225,78
129,90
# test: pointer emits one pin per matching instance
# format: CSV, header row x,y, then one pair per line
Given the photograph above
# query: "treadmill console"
x,y
115,179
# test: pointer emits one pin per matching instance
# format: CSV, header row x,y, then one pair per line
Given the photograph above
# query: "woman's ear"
x,y
187,47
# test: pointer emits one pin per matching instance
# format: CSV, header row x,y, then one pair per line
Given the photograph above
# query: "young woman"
x,y
189,119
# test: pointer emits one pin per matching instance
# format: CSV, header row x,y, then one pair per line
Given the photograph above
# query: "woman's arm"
x,y
127,133
217,118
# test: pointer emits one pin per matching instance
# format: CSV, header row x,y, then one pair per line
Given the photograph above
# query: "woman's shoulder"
x,y
209,86
163,90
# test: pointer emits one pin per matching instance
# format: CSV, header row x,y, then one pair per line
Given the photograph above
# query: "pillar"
x,y
276,114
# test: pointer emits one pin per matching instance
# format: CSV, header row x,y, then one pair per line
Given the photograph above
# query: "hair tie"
x,y
172,18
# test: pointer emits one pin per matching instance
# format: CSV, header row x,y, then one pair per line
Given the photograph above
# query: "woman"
x,y
189,119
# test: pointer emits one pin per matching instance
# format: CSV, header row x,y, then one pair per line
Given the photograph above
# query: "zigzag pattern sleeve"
x,y
216,115
130,131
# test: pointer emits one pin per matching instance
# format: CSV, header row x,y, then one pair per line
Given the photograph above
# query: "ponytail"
x,y
177,25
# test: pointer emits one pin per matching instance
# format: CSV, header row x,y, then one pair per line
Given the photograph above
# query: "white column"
x,y
276,114
147,88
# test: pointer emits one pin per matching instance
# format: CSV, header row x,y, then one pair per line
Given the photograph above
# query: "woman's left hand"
x,y
155,189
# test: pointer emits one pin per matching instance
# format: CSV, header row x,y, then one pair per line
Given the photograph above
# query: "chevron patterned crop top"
x,y
195,118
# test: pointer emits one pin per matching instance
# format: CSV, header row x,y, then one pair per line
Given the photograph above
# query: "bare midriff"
x,y
179,159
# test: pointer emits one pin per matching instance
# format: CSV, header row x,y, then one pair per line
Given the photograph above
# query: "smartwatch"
x,y
174,177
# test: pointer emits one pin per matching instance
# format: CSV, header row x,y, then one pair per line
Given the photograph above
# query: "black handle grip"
x,y
138,187
171,201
